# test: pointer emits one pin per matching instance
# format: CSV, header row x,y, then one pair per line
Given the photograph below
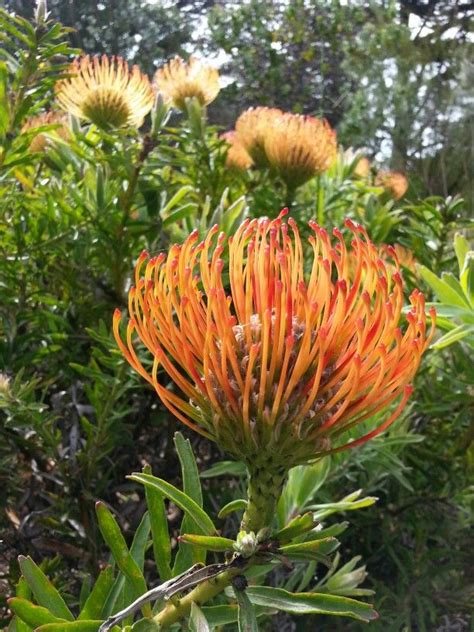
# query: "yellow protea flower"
x,y
394,183
106,92
178,81
40,141
279,365
237,156
299,147
252,127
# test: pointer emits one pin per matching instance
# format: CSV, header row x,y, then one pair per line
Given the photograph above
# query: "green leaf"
x,y
116,542
145,625
223,615
461,247
296,527
197,620
186,556
95,601
303,483
159,529
348,503
225,468
185,211
247,618
22,591
452,311
45,593
450,279
32,614
240,504
137,551
311,603
302,549
443,290
458,333
208,542
176,199
467,277
189,470
236,211
73,626
179,498
4,114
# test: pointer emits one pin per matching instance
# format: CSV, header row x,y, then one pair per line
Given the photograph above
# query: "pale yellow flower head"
x,y
394,183
106,92
253,127
299,147
362,168
40,141
179,80
237,156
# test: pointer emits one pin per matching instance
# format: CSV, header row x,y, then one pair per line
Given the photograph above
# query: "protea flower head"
x,y
362,168
40,141
299,147
178,80
252,128
394,183
106,92
237,156
280,366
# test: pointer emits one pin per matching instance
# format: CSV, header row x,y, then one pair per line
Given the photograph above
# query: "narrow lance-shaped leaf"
x,y
311,603
179,498
74,626
137,551
116,542
95,601
197,620
23,591
32,614
43,590
208,542
324,546
240,504
247,618
296,527
192,488
159,529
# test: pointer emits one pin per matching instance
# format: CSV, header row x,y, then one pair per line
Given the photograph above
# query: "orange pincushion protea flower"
x,y
237,156
299,147
280,366
106,92
40,141
252,128
178,80
394,182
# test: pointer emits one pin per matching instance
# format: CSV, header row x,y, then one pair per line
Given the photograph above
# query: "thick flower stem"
x,y
264,490
178,609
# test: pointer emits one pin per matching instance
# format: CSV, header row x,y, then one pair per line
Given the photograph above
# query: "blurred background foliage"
x,y
394,79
